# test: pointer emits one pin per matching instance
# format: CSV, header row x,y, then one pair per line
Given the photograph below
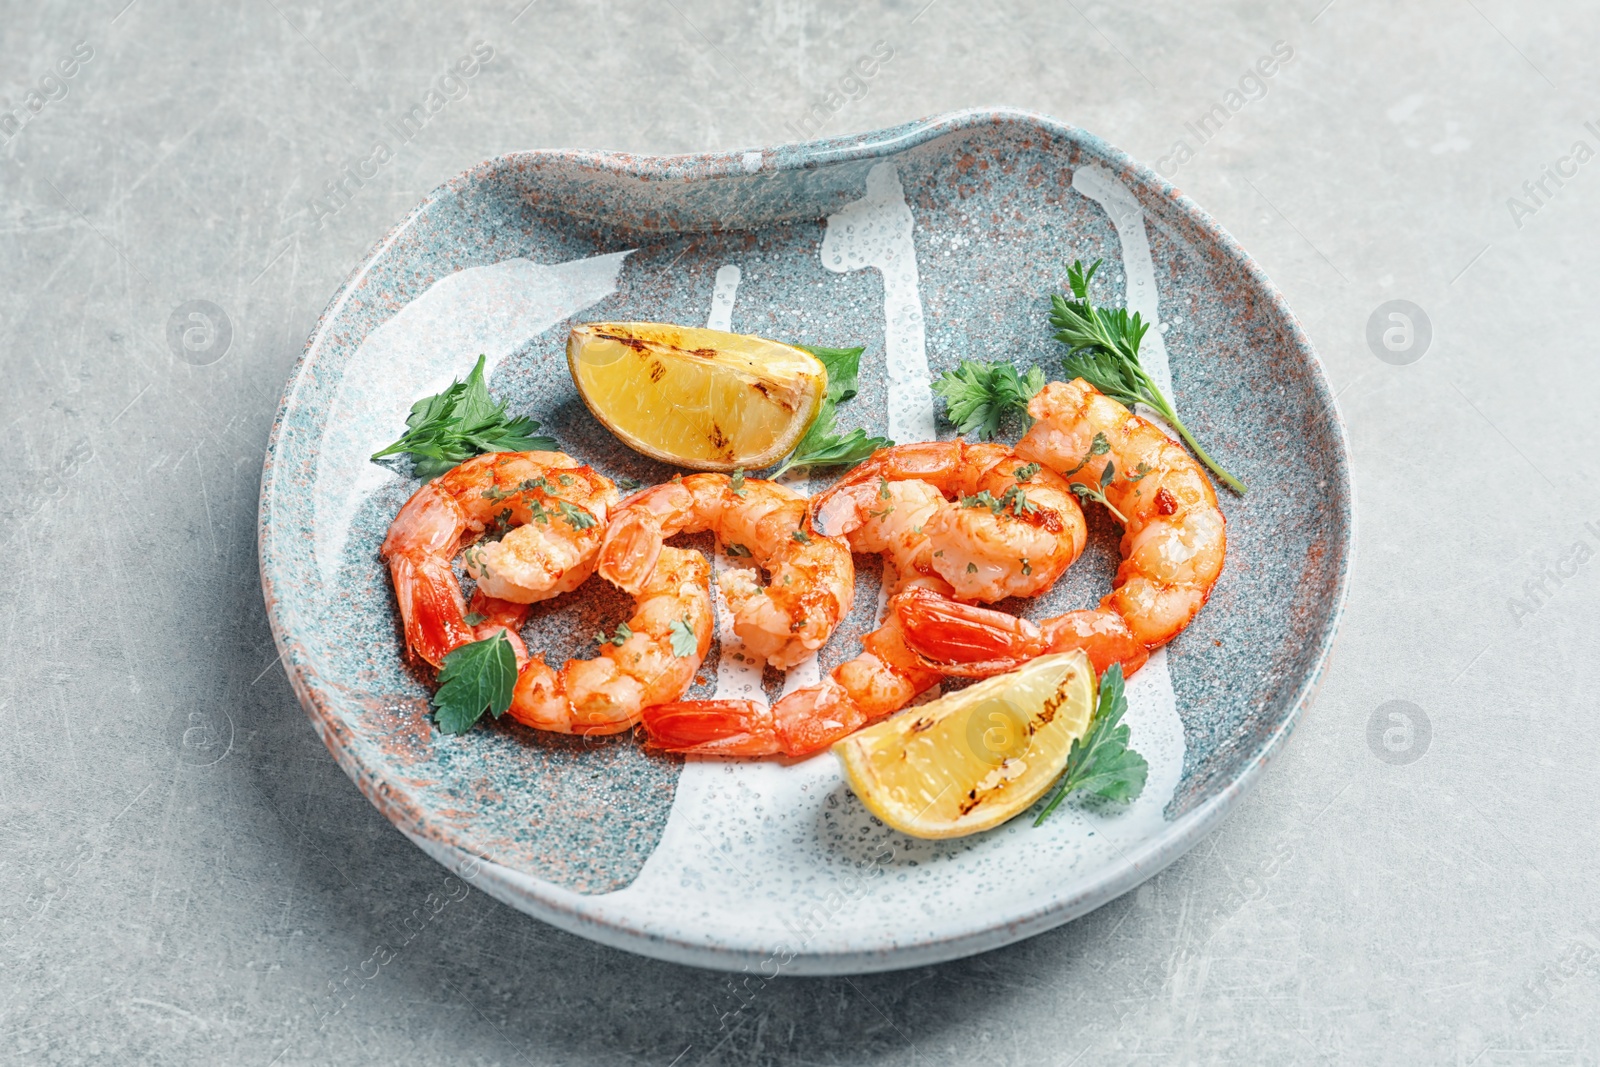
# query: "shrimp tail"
x,y
631,549
713,728
431,605
963,639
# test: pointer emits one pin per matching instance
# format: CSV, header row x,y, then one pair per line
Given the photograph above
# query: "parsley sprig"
x,y
1098,493
475,678
451,427
1015,498
1103,350
821,446
979,396
1101,763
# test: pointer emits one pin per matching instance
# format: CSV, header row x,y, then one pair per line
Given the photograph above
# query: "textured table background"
x,y
187,877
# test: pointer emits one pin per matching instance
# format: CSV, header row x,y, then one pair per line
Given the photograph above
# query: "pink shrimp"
x,y
1173,545
881,680
1008,528
971,520
652,657
552,512
1174,535
812,577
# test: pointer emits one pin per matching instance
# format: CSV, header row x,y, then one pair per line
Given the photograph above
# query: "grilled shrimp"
x,y
883,679
551,511
970,520
1175,536
608,694
1173,546
812,576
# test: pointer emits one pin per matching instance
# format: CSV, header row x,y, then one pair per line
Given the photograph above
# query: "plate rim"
x,y
558,905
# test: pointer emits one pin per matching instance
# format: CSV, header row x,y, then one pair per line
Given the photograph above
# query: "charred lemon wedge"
x,y
975,758
697,398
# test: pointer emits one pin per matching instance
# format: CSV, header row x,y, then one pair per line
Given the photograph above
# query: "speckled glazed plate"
x,y
926,243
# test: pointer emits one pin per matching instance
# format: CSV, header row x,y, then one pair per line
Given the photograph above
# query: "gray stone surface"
x,y
188,878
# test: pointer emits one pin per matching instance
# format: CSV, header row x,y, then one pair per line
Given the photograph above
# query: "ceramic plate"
x,y
927,243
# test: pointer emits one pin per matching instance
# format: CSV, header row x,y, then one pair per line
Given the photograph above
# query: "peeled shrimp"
x,y
551,511
1173,546
883,679
1172,551
970,520
812,577
609,693
1008,529
1174,537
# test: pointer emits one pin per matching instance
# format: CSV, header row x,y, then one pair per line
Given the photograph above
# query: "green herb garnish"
x,y
1101,763
1015,498
577,518
844,368
684,642
618,637
821,447
737,550
1103,350
451,427
1097,447
475,678
1089,492
978,396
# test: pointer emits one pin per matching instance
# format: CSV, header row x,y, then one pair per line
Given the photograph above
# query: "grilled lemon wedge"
x,y
971,760
704,399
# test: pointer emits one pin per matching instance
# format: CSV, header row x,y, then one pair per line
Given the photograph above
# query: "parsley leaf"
x,y
577,518
619,637
978,396
1101,763
821,447
684,642
451,427
844,368
1103,350
1015,498
1089,492
736,482
738,551
475,678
